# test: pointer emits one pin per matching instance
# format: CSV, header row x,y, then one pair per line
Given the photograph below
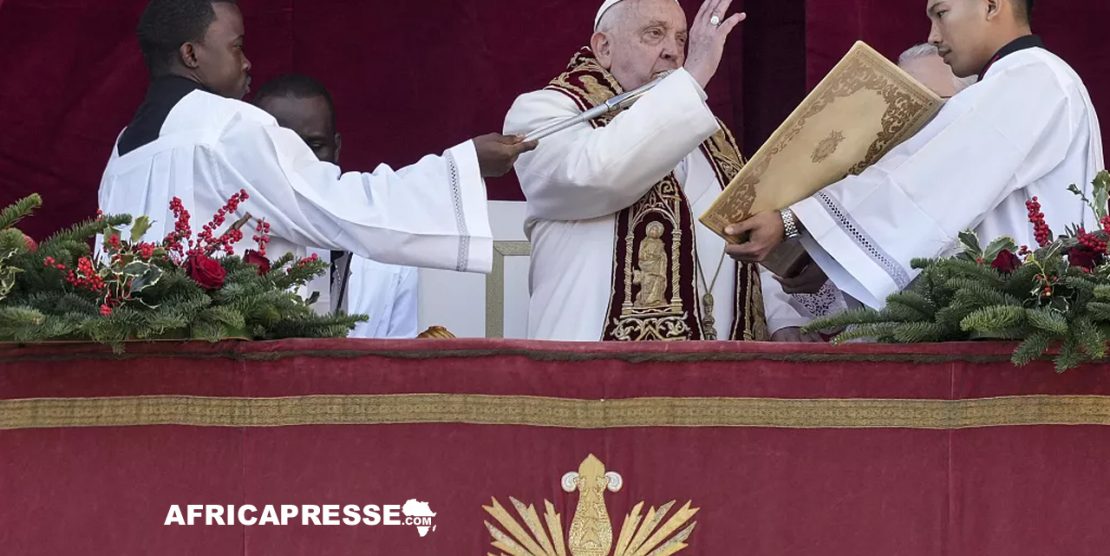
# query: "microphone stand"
x,y
615,104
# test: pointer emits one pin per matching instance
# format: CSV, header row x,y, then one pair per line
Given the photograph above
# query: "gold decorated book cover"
x,y
861,110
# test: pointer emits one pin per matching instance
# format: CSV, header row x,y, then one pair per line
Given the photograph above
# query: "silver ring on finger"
x,y
715,20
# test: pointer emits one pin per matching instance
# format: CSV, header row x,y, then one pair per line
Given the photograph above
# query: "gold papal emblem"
x,y
828,147
591,531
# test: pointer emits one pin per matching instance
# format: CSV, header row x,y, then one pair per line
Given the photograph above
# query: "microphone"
x,y
615,104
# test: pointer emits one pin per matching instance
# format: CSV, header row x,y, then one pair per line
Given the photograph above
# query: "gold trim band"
x,y
554,412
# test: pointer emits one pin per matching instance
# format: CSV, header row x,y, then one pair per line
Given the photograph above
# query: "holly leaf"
x,y
1075,189
312,299
970,241
1101,187
139,228
146,279
997,246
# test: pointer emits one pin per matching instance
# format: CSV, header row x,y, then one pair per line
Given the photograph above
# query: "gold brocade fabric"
x,y
570,413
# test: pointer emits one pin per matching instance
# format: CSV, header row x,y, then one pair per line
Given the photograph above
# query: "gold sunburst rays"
x,y
659,532
645,537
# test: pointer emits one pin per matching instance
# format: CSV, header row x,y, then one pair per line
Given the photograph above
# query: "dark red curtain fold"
x,y
1069,27
413,78
408,78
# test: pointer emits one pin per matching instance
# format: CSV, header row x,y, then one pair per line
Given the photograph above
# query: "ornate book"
x,y
860,111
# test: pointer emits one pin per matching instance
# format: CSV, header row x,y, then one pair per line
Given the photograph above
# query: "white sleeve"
x,y
780,312
583,172
865,230
430,214
403,320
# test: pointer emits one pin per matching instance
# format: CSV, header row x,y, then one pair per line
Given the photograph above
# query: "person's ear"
x,y
188,55
993,8
603,49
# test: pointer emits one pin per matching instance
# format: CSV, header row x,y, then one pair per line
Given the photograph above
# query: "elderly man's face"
x,y
640,40
932,72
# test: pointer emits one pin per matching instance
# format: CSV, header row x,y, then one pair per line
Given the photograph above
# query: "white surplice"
x,y
1027,129
578,180
386,293
430,214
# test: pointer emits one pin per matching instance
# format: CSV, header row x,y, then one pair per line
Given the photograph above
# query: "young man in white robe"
x,y
356,285
194,139
612,205
793,302
1026,129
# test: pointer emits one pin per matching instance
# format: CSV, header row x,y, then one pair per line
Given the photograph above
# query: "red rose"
x,y
1006,262
206,271
1084,258
257,259
30,243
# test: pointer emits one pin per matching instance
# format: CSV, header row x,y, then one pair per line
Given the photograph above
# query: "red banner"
x,y
922,450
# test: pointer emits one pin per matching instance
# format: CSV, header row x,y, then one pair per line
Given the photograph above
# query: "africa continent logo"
x,y
420,515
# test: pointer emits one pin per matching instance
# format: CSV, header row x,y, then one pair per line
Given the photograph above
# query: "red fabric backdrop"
x,y
409,78
415,77
822,470
1071,28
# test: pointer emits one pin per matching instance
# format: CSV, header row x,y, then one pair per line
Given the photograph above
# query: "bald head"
x,y
638,40
925,65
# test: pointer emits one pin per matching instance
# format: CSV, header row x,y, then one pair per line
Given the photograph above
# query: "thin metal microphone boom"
x,y
615,104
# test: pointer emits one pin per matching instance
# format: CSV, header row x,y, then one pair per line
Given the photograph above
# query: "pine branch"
x,y
300,274
972,270
1089,337
16,317
173,317
914,301
1047,320
83,231
977,294
1102,293
862,315
11,241
919,332
1081,283
1070,356
1099,311
219,323
996,318
880,332
1034,346
19,210
901,313
279,265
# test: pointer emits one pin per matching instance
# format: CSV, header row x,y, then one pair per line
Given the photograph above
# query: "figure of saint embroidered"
x,y
651,273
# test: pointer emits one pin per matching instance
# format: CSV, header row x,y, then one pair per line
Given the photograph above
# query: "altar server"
x,y
194,139
1027,129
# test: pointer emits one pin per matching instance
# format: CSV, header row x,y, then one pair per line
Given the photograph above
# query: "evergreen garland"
x,y
1054,297
147,292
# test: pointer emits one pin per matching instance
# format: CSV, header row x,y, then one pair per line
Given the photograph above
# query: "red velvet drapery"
x,y
416,77
1073,29
801,450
